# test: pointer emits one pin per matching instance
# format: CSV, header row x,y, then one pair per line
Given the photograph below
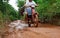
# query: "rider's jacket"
x,y
28,9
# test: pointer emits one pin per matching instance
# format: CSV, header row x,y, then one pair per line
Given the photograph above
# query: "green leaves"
x,y
8,12
20,3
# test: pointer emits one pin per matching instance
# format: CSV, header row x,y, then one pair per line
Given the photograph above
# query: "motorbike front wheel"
x,y
29,23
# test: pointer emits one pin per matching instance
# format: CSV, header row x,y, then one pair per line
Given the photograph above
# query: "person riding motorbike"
x,y
30,3
30,9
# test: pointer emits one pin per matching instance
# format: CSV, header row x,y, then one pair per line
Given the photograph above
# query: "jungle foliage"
x,y
49,11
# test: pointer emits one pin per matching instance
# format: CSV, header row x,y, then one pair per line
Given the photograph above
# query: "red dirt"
x,y
43,31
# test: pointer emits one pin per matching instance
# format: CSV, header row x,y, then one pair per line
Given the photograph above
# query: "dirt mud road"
x,y
43,31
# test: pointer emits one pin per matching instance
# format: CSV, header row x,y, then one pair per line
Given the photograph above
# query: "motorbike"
x,y
33,18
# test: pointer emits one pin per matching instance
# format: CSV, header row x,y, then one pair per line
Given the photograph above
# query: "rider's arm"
x,y
35,3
